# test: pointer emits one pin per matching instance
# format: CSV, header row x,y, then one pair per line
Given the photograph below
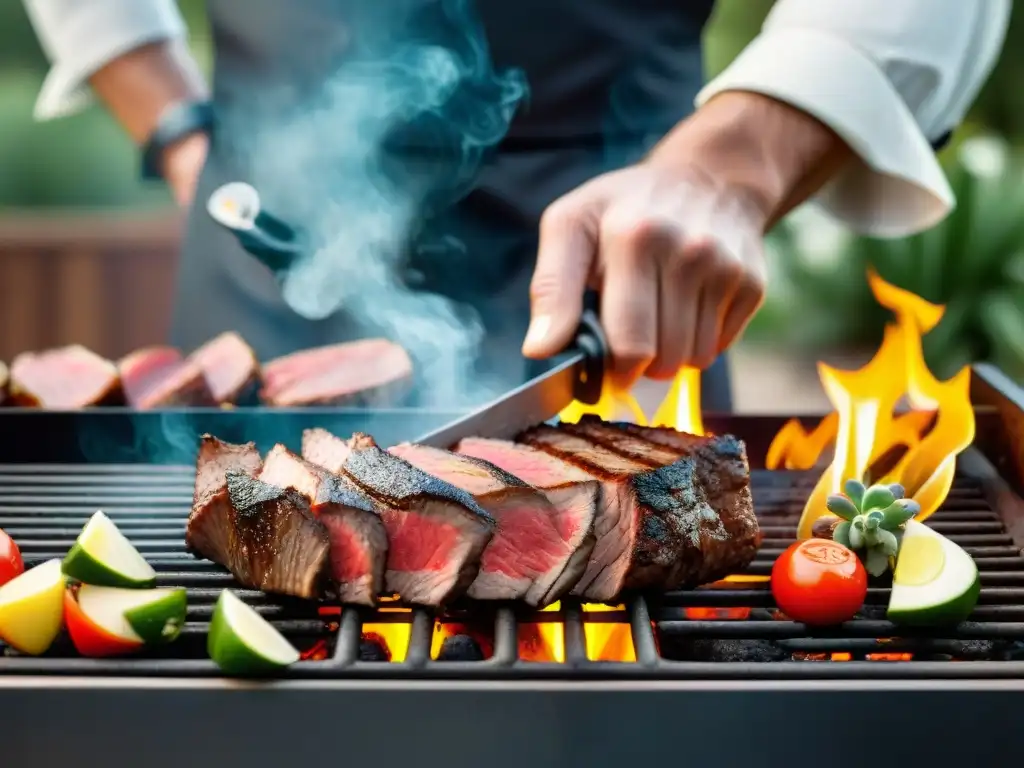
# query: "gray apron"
x,y
606,79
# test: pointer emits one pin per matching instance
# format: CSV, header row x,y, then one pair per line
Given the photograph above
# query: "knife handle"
x,y
590,340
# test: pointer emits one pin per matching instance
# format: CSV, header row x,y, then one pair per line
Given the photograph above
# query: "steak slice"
x,y
373,372
653,526
158,377
66,378
437,532
722,470
359,543
264,535
574,494
528,553
324,449
231,369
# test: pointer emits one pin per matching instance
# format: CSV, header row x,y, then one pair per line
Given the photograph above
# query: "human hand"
x,y
676,257
183,163
674,244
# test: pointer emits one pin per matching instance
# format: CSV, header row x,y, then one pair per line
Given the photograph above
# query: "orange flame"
x,y
608,642
868,426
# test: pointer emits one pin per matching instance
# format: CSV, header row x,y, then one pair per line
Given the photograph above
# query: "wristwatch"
x,y
177,121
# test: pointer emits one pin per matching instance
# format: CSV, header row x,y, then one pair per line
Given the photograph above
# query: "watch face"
x,y
235,205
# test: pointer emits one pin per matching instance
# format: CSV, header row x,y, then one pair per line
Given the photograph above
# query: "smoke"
x,y
395,135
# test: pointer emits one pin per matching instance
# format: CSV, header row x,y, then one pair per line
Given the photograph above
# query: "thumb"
x,y
568,246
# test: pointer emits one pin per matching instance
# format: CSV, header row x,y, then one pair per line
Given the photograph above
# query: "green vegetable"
x,y
935,582
873,520
242,642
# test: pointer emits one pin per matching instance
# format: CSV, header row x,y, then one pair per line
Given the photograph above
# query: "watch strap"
x,y
177,121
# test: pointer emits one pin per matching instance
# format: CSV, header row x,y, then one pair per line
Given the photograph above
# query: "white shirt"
x,y
888,76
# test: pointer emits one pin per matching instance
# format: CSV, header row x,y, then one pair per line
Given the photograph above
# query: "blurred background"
x,y
87,252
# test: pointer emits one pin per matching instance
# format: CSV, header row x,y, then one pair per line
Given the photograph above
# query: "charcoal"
x,y
460,648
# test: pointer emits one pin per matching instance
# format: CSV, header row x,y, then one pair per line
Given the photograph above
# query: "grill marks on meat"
x,y
528,553
278,545
373,372
265,536
157,377
436,532
66,378
358,541
230,367
653,524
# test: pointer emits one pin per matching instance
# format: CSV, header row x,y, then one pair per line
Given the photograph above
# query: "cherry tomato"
x,y
820,582
11,564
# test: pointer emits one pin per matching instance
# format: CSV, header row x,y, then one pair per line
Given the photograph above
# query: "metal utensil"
x,y
236,207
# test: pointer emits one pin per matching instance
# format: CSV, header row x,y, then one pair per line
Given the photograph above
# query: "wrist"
x,y
762,152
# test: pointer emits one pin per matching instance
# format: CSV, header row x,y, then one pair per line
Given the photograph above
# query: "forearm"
x,y
888,77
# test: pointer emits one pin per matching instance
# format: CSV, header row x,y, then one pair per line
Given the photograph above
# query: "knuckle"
x,y
557,216
545,286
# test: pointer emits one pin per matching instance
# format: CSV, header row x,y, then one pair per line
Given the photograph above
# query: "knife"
x,y
576,375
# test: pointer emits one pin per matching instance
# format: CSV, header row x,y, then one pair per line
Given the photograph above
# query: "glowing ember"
x,y
543,641
608,642
868,427
393,636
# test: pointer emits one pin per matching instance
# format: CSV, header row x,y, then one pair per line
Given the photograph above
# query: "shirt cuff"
x,y
92,35
896,187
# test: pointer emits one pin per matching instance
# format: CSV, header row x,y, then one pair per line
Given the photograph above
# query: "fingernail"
x,y
538,331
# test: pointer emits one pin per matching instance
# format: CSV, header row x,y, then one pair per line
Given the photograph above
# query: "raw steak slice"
x,y
324,449
436,532
528,553
359,544
231,369
264,535
368,372
653,525
64,379
159,377
722,470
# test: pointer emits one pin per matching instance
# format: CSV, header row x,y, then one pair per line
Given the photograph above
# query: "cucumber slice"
x,y
935,582
135,615
102,556
243,643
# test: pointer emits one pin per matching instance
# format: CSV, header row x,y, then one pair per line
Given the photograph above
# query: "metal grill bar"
x,y
44,507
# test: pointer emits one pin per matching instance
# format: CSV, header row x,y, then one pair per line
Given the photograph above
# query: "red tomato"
x,y
819,581
11,564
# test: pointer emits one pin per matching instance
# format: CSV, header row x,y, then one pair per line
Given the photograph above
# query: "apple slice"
x,y
89,638
242,642
134,616
102,556
32,608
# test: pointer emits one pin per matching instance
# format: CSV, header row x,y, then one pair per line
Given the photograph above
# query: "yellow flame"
x,y
681,408
796,448
868,426
609,408
608,642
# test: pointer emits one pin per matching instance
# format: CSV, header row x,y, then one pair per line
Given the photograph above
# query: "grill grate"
x,y
724,631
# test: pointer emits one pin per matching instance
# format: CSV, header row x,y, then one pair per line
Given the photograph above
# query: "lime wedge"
x,y
151,616
243,643
104,557
32,608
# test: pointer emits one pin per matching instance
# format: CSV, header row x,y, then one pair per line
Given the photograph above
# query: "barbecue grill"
x,y
715,674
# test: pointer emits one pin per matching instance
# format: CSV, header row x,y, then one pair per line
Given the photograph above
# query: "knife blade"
x,y
576,375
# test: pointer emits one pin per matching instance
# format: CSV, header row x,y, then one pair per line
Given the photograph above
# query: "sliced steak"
x,y
722,470
653,525
436,532
266,536
359,543
324,449
66,378
528,553
231,369
374,372
159,377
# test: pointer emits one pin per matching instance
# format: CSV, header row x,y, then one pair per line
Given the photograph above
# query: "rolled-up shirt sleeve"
x,y
890,77
81,36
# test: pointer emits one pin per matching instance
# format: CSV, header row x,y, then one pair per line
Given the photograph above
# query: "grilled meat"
x,y
66,378
367,372
529,553
264,535
324,449
231,369
437,532
156,377
359,543
653,526
722,470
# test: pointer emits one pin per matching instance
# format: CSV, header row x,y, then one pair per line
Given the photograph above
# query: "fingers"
x,y
681,277
715,296
566,254
629,296
748,298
